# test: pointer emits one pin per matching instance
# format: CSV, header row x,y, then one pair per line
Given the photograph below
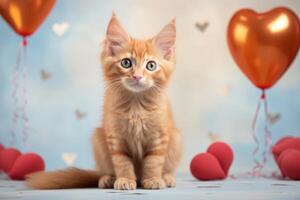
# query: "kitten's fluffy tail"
x,y
63,179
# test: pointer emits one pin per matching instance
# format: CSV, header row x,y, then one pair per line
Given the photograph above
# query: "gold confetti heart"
x,y
69,158
213,136
273,118
79,114
224,90
45,75
202,26
60,28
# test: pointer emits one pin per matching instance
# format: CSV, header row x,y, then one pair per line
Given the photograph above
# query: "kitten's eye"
x,y
151,66
126,63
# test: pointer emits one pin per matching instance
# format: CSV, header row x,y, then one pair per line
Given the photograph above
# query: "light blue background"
x,y
208,92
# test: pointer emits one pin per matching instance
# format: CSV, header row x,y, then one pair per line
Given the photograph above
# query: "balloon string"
x,y
14,94
257,167
24,93
268,134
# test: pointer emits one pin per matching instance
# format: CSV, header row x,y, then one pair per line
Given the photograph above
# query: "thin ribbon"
x,y
259,164
17,80
257,167
267,136
14,94
24,94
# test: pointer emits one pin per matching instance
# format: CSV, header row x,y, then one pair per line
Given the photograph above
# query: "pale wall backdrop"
x,y
211,98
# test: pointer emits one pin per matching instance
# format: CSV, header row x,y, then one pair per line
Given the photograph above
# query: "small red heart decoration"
x,y
26,164
8,158
289,162
214,164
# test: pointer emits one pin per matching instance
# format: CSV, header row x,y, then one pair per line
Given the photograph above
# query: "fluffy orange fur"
x,y
138,143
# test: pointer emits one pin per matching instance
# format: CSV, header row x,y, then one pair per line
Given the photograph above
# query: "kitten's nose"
x,y
137,77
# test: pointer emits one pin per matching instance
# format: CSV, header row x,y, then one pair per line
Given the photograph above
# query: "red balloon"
x,y
223,153
289,162
26,164
279,161
1,147
214,164
264,45
283,140
279,149
206,166
8,158
287,143
25,16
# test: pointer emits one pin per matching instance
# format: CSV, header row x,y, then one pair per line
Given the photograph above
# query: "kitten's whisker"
x,y
158,86
114,84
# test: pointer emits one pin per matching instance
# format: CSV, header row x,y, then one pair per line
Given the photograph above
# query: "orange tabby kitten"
x,y
139,142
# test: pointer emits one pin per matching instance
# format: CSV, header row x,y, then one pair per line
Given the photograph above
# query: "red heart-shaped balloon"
x,y
279,160
25,16
276,153
206,166
214,164
264,44
1,147
283,140
289,162
286,143
8,158
280,149
26,164
223,153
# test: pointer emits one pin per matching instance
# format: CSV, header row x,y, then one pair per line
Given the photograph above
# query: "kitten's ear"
x,y
116,36
165,40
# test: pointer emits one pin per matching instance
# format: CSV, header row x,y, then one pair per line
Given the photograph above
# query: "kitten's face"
x,y
139,69
138,65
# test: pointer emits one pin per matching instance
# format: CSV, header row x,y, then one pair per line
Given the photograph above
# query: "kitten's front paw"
x,y
125,184
153,183
106,182
169,180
